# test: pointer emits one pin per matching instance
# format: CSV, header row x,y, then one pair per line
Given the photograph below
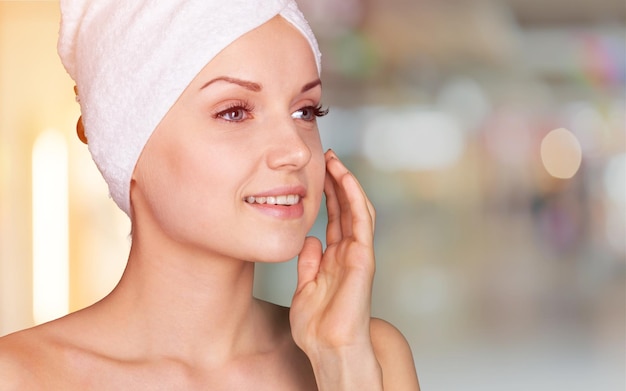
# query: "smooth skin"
x,y
183,315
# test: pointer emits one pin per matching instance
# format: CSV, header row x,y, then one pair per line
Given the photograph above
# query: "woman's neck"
x,y
184,304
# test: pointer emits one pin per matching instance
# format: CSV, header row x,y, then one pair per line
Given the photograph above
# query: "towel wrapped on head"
x,y
131,60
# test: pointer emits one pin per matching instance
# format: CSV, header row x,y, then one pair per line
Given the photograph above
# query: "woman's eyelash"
x,y
236,111
310,113
316,111
319,111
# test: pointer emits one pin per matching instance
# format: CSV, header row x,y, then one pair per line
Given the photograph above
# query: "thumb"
x,y
309,261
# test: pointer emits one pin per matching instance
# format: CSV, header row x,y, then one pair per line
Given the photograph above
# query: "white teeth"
x,y
288,199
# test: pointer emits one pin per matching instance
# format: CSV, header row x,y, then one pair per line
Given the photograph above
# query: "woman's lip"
x,y
279,211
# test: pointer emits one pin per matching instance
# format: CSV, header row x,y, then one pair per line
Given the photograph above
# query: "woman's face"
x,y
236,167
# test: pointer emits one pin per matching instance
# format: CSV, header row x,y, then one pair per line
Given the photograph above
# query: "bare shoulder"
x,y
37,358
21,355
394,356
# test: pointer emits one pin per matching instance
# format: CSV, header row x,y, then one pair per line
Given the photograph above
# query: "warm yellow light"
x,y
50,227
561,153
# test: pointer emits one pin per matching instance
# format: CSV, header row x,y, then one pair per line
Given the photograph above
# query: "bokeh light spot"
x,y
561,153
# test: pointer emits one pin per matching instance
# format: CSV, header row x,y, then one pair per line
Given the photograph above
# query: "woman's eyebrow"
x,y
252,86
311,85
256,87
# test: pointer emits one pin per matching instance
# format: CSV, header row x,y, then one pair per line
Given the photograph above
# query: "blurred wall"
x,y
36,96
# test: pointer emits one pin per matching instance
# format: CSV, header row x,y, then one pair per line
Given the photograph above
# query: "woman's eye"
x,y
234,114
309,113
305,113
237,112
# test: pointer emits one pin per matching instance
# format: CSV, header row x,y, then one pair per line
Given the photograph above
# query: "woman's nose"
x,y
288,149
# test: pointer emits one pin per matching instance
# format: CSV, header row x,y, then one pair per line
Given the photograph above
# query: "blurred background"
x,y
490,135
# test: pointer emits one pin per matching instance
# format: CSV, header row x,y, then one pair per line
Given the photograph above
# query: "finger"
x,y
333,228
347,208
337,170
370,207
309,261
362,218
355,207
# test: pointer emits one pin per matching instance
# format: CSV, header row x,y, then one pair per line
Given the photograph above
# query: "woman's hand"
x,y
330,311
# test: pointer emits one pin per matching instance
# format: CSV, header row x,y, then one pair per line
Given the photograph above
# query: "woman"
x,y
202,119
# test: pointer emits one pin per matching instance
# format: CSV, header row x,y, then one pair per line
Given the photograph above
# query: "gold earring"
x,y
80,128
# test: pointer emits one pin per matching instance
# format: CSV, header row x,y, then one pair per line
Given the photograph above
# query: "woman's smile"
x,y
282,202
287,200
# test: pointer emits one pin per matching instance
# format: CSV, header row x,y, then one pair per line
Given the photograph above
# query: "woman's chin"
x,y
279,251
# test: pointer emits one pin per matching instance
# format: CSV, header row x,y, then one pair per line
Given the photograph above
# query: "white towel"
x,y
132,59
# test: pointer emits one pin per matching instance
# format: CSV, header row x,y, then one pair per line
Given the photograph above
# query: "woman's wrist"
x,y
347,368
